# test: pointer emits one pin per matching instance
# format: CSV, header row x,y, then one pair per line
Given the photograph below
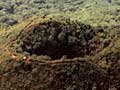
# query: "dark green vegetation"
x,y
91,63
64,45
56,39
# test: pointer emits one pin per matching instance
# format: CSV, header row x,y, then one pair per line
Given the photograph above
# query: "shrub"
x,y
57,38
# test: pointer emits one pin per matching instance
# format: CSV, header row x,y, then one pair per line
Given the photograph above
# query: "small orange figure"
x,y
26,59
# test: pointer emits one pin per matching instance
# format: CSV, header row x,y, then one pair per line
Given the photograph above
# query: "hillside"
x,y
59,45
97,12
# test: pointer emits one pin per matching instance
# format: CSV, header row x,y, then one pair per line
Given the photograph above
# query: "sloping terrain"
x,y
42,68
96,12
59,45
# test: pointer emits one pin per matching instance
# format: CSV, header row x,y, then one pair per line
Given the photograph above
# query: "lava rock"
x,y
106,42
1,8
11,22
39,1
9,9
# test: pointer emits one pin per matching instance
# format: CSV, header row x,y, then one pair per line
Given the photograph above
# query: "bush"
x,y
58,38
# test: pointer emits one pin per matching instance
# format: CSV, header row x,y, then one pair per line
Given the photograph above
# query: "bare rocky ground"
x,y
72,75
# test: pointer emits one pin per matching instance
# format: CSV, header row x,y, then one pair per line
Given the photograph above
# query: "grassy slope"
x,y
95,14
98,14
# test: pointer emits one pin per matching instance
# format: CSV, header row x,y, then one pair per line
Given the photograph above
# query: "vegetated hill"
x,y
29,63
96,12
34,46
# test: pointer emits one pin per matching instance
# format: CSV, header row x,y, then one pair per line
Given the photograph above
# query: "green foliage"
x,y
44,40
95,12
66,37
